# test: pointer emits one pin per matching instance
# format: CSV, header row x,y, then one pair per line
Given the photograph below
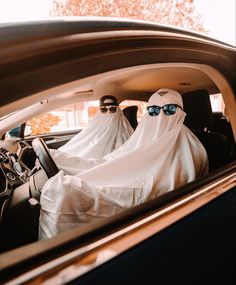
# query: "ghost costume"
x,y
105,133
160,156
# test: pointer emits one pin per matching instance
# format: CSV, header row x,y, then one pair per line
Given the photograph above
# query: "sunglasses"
x,y
168,109
111,109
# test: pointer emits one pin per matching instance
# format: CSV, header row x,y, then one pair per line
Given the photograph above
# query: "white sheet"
x,y
103,134
160,156
71,164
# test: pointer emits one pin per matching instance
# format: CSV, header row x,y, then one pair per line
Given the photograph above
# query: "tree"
x,y
168,12
43,123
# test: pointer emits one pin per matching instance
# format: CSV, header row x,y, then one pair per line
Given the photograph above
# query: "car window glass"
x,y
70,117
73,117
217,103
76,116
14,132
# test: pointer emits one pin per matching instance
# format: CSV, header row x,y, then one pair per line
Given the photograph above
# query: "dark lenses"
x,y
169,109
153,110
112,109
103,110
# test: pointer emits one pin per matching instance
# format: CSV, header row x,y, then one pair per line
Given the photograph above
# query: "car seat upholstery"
x,y
200,119
223,126
218,115
197,106
130,113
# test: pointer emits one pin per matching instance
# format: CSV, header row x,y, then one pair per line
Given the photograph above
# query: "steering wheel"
x,y
45,159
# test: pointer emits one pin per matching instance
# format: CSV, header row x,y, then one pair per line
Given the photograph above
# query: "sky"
x,y
219,16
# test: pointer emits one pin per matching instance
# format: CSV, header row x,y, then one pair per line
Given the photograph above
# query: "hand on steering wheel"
x,y
45,159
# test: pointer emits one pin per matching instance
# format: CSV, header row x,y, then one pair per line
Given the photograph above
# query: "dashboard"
x,y
21,181
17,164
17,161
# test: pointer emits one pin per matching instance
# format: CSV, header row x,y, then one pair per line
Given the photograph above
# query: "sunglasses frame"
x,y
157,109
107,109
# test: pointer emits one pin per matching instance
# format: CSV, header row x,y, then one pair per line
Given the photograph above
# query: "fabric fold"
x,y
104,133
160,156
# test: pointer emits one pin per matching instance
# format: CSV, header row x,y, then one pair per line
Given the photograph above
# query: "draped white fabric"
x,y
105,133
71,164
160,156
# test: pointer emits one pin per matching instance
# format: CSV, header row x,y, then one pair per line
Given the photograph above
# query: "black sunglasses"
x,y
111,109
168,109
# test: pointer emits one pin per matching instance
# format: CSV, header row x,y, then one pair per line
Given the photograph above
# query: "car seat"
x,y
223,126
199,119
130,113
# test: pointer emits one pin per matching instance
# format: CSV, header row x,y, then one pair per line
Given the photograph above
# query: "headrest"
x,y
108,100
197,106
218,115
131,114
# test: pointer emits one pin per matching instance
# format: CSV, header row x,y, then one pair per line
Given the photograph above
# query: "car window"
x,y
217,103
76,116
14,132
73,117
70,117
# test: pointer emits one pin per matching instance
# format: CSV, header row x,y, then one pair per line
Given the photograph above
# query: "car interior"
x,y
22,175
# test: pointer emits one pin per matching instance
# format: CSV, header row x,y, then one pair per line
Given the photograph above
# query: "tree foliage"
x,y
168,12
43,123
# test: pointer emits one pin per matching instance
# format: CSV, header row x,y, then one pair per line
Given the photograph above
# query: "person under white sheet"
x,y
106,132
160,156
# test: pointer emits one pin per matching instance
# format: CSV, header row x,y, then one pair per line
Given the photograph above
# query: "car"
x,y
184,236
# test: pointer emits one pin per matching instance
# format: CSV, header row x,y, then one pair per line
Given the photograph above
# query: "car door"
x,y
183,237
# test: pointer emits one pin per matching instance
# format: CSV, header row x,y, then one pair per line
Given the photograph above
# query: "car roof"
x,y
88,24
86,57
